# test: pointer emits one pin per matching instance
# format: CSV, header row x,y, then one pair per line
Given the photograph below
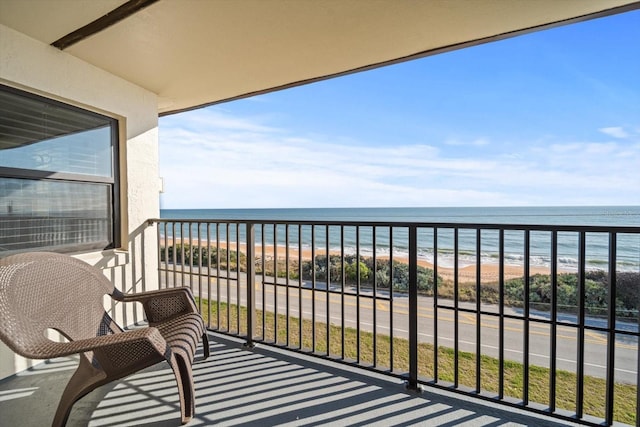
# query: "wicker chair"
x,y
46,291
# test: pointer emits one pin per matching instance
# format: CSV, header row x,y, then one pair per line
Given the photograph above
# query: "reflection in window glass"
x,y
40,213
87,152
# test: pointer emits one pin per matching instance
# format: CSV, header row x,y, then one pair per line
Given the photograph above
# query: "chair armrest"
x,y
144,340
162,304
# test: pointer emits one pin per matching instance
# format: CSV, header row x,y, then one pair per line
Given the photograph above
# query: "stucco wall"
x,y
28,64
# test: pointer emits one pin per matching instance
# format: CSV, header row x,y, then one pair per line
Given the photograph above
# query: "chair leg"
x,y
84,380
205,345
184,378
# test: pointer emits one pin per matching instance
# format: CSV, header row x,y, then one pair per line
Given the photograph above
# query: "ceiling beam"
x,y
118,14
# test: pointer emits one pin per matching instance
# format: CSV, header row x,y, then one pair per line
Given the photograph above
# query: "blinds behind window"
x,y
58,186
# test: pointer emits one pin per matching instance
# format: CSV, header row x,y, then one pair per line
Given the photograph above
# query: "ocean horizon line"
x,y
627,215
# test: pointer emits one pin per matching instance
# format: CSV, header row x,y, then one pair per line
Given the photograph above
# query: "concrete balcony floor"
x,y
259,387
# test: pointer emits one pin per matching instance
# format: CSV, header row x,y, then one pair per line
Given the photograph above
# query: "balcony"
x,y
387,323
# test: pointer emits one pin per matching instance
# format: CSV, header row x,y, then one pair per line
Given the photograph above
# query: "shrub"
x,y
596,289
628,292
205,256
381,272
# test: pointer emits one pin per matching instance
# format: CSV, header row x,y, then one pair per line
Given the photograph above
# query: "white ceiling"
x,y
197,52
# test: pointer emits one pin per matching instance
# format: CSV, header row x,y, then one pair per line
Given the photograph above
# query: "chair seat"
x,y
183,333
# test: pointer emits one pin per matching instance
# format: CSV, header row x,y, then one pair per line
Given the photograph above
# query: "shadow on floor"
x,y
258,387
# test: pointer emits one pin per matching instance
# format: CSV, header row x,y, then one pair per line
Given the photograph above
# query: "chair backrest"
x,y
41,291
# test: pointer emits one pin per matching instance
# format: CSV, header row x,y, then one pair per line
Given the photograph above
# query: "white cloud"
x,y
478,142
233,162
616,132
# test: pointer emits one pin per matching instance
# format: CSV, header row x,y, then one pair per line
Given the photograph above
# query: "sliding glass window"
x,y
58,176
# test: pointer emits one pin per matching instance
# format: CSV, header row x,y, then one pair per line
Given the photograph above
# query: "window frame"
x,y
114,182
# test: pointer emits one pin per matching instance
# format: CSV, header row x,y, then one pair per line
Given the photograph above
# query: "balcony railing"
x,y
543,318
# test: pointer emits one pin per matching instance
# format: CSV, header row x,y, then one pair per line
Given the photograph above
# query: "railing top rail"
x,y
408,224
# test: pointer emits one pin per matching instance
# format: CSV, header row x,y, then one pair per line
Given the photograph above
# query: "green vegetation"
x,y
366,268
214,258
595,297
596,282
205,256
594,388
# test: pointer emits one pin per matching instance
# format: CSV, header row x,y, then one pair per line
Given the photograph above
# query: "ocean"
x,y
597,244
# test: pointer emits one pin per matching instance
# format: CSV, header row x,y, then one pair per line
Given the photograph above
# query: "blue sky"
x,y
549,118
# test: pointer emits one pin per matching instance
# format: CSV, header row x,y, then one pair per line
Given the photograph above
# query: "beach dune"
x,y
489,272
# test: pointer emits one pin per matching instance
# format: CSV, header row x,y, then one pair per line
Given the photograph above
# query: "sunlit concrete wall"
x,y
30,65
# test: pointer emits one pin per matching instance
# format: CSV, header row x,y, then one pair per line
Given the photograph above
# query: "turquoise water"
x,y
597,244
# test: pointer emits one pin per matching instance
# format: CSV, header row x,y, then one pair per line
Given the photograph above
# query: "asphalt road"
x,y
626,349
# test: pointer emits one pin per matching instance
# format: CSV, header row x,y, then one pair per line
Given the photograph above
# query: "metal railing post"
x,y
251,284
162,248
412,383
611,334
